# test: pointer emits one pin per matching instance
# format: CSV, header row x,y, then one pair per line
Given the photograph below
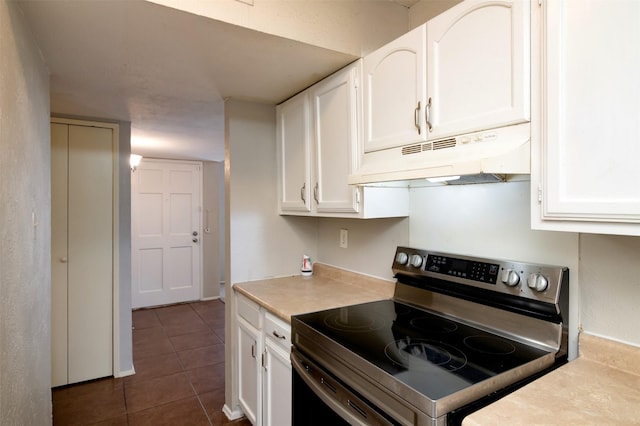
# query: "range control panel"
x,y
463,268
533,281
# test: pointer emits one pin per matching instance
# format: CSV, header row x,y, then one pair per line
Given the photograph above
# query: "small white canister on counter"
x,y
306,269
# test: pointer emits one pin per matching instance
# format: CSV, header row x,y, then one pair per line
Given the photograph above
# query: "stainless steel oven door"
x,y
321,399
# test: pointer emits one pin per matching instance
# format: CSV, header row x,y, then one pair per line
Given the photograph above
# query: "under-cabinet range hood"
x,y
501,151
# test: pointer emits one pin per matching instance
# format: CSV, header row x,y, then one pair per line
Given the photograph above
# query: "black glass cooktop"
x,y
434,355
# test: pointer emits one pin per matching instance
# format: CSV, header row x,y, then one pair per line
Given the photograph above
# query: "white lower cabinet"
x,y
264,367
249,360
277,372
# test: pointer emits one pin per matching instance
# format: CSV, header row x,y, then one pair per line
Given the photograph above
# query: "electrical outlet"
x,y
344,238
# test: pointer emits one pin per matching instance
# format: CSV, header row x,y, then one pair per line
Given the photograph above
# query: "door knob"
x,y
195,233
63,259
195,240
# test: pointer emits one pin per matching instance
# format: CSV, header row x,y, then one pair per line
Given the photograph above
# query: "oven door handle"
x,y
338,398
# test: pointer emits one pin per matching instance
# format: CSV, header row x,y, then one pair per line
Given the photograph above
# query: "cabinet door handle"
x,y
416,118
302,190
278,335
427,115
315,193
253,351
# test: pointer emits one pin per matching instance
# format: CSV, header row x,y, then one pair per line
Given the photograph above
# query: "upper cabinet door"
x,y
336,140
586,164
478,67
394,92
294,153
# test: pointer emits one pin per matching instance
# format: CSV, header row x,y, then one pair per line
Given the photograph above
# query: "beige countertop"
x,y
327,288
601,387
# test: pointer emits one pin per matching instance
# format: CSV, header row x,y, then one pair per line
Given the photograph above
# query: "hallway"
x,y
178,353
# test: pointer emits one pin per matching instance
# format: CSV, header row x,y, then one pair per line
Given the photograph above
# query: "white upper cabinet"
x,y
294,153
335,136
319,145
478,62
395,92
586,144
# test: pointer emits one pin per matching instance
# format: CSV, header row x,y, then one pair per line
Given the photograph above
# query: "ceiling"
x,y
165,71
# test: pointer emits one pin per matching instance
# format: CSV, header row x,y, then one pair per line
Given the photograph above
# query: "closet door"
x,y
59,259
90,253
82,253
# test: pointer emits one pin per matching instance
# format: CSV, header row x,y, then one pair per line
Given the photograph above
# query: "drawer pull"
x,y
278,335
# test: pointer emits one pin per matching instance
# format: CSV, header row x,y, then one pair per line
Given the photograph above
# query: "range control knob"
x,y
416,260
402,258
538,282
510,277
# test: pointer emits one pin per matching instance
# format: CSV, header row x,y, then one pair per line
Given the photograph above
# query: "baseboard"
x,y
125,373
204,299
232,414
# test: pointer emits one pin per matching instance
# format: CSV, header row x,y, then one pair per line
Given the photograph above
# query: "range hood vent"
x,y
495,152
429,146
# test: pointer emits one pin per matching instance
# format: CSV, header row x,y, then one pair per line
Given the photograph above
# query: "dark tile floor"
x,y
178,354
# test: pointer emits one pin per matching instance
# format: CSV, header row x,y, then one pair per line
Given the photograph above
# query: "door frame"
x,y
115,227
199,214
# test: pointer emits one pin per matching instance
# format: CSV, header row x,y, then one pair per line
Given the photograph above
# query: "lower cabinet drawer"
x,y
249,310
278,330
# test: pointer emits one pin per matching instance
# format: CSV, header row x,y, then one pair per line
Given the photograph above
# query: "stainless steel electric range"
x,y
459,333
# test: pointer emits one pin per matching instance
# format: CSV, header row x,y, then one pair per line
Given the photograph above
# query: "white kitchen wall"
x,y
25,226
610,286
489,220
259,243
262,243
371,244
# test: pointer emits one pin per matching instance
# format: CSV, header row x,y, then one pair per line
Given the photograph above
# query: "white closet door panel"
x,y
179,268
151,267
90,236
151,210
180,225
59,278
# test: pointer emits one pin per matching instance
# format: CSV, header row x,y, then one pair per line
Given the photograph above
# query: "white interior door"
x,y
166,200
81,252
90,233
